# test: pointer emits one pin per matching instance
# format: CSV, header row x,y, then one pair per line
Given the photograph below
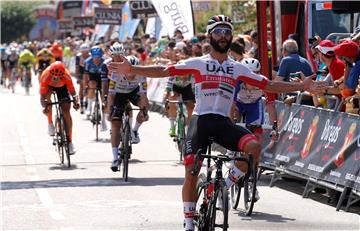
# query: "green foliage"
x,y
247,8
16,19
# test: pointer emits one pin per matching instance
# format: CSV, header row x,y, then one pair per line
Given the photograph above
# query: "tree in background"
x,y
245,8
16,19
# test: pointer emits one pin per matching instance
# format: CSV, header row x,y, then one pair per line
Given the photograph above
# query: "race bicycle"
x,y
212,207
60,139
180,136
125,149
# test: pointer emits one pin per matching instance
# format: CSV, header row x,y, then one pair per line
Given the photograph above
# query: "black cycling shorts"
x,y
43,64
120,102
96,78
186,92
220,128
61,92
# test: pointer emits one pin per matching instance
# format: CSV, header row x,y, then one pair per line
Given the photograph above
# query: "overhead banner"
x,y
142,9
85,21
129,25
317,143
68,8
175,14
65,25
107,16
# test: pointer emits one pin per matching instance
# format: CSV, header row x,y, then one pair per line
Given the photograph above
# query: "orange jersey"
x,y
46,81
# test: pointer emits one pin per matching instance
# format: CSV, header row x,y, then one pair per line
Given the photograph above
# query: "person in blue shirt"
x,y
92,78
293,63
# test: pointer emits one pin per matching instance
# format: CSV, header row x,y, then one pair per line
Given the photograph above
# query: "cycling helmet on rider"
x,y
218,20
84,47
117,49
57,69
252,64
96,52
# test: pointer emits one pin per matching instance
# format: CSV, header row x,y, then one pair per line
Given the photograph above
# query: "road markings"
x,y
43,194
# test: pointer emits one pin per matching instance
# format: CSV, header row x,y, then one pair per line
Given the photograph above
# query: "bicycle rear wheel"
x,y
250,187
97,118
126,150
235,193
218,216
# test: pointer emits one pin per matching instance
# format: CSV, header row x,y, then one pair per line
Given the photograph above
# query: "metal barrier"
x,y
328,97
335,37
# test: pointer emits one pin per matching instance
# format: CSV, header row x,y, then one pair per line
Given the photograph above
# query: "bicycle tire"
x,y
57,140
201,208
235,194
214,213
96,118
181,136
66,143
250,182
27,84
126,151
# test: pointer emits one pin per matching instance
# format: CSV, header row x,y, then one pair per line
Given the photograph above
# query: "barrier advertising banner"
x,y
84,21
317,143
142,9
107,16
175,14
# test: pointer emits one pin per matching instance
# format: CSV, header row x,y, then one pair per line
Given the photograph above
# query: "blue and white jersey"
x,y
91,68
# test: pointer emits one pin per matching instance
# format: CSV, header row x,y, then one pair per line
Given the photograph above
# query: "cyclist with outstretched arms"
x,y
56,78
128,88
216,76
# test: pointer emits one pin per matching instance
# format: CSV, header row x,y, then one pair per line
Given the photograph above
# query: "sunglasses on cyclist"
x,y
220,31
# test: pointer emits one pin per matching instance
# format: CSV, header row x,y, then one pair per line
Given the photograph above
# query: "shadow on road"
x,y
90,182
268,217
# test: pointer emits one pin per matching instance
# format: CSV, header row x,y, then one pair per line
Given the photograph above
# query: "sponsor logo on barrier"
x,y
330,133
282,158
293,125
334,173
315,168
350,177
299,164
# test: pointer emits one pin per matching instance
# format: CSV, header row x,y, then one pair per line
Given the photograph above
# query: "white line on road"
x,y
42,193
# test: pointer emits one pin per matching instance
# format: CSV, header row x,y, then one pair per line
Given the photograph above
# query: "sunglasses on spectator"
x,y
220,31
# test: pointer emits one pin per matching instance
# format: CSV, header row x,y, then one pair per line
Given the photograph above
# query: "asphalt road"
x,y
39,194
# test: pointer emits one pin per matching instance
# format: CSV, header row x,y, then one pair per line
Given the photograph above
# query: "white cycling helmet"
x,y
133,60
252,64
218,20
117,49
84,47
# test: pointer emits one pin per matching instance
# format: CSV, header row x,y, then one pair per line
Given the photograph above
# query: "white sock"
x,y
234,175
90,104
172,123
115,151
137,125
131,122
189,210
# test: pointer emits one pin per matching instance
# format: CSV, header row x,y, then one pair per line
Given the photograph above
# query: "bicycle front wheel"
x,y
218,211
250,187
58,141
97,118
65,141
181,137
201,204
126,151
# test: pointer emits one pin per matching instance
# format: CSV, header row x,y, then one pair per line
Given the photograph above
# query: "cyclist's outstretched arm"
x,y
125,67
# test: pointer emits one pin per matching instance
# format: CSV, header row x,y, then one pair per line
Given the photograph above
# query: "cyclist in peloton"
x,y
26,62
43,59
58,79
92,79
80,68
180,86
128,87
216,76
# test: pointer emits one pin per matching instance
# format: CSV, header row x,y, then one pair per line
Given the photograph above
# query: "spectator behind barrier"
x,y
292,63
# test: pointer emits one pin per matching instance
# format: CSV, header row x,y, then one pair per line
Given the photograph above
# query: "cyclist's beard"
x,y
218,48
